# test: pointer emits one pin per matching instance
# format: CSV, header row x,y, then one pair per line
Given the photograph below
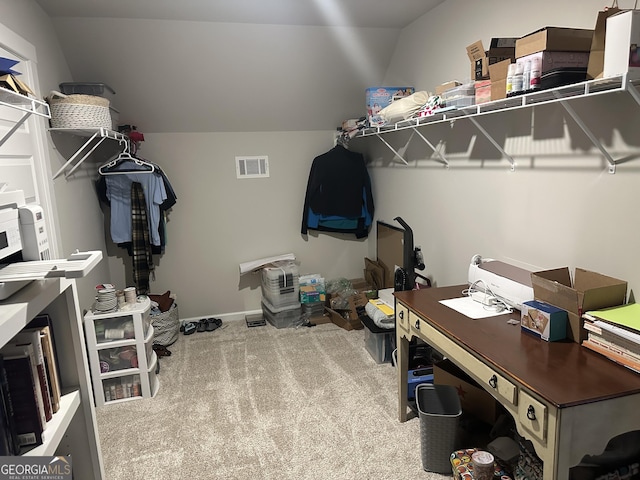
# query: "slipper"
x,y
189,328
161,350
202,325
213,323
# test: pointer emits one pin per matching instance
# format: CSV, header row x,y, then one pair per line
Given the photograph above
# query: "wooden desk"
x,y
567,400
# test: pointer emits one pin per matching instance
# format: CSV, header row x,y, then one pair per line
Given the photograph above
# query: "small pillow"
x,y
404,108
164,301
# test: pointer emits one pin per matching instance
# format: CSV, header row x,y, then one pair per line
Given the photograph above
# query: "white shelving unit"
x,y
73,429
563,95
94,136
44,290
28,105
123,363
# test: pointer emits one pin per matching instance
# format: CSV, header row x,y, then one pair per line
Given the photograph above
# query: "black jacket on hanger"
x,y
338,186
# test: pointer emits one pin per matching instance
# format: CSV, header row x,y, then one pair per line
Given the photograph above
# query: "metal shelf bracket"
x,y
392,149
587,131
96,137
30,106
441,158
494,143
15,127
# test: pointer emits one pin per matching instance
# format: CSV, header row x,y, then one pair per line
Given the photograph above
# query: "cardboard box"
x,y
440,89
555,39
544,320
498,75
473,398
502,49
589,291
622,44
341,319
479,61
483,91
379,97
320,319
360,285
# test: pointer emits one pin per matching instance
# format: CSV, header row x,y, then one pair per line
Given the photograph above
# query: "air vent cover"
x,y
252,167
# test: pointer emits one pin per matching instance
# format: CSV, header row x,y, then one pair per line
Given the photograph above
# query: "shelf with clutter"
x,y
17,95
551,65
86,110
562,95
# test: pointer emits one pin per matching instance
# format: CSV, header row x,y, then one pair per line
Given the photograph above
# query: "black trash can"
x,y
439,410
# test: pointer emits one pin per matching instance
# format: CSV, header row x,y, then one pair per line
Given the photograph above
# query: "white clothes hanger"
x,y
122,157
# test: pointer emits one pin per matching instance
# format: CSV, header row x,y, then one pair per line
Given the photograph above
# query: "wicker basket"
x,y
79,111
166,326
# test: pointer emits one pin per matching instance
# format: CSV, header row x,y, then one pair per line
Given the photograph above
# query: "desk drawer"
x,y
533,414
489,379
402,317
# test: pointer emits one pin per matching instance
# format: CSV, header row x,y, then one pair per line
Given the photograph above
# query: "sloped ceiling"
x,y
222,66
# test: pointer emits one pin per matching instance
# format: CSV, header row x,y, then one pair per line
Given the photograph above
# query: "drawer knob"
x,y
493,381
417,324
531,413
401,314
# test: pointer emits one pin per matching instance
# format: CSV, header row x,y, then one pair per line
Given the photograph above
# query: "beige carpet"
x,y
265,403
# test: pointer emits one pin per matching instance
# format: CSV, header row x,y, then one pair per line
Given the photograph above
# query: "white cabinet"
x,y
73,429
123,363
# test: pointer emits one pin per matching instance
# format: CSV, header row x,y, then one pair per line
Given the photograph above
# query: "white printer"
x,y
508,282
24,247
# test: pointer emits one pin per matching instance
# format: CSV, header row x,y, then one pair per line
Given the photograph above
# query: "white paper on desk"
x,y
470,308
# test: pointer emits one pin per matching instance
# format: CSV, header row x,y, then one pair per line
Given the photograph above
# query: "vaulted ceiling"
x,y
243,65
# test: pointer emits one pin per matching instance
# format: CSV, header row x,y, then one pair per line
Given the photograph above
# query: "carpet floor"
x,y
265,403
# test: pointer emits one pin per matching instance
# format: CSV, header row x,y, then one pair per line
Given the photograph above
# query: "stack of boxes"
x,y
489,68
547,58
555,56
312,296
281,295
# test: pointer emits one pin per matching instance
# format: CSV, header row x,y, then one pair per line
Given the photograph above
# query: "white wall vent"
x,y
252,167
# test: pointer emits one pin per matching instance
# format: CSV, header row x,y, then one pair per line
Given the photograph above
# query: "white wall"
x,y
220,221
558,208
179,76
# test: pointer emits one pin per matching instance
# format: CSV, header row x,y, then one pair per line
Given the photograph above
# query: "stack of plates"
x,y
106,300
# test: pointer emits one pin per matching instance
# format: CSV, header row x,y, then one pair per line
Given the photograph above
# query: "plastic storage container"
x,y
282,317
379,342
462,96
417,377
87,88
439,410
281,285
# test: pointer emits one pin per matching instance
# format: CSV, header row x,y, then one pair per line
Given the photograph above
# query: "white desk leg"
x,y
402,365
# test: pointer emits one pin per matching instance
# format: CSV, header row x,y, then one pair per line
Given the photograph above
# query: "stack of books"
x,y
29,387
615,333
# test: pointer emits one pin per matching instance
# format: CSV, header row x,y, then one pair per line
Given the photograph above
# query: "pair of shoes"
x,y
188,328
161,350
212,324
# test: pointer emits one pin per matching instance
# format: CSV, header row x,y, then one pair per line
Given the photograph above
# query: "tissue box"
x,y
544,320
